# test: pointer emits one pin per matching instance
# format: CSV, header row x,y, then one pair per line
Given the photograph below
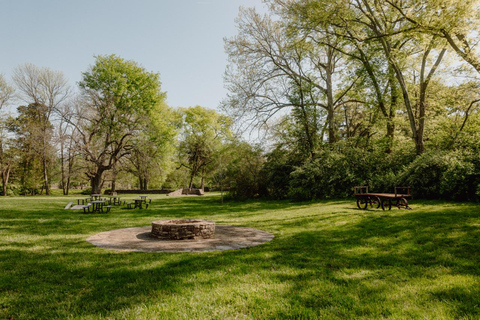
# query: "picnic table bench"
x,y
384,200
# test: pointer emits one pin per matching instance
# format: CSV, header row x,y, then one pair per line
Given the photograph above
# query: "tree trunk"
x,y
45,175
203,179
96,182
332,138
190,185
114,178
380,96
62,160
5,176
393,107
67,188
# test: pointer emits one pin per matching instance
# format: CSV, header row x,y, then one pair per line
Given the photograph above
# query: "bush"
x,y
244,175
276,172
86,191
443,175
330,175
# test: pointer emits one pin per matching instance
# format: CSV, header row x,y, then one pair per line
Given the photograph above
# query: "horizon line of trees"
x,y
116,129
352,92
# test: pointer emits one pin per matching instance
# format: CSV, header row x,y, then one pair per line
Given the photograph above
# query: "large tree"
x,y
31,129
118,99
44,90
150,160
6,159
203,133
274,70
366,28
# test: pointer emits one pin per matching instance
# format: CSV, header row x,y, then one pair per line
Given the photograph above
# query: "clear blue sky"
x,y
180,39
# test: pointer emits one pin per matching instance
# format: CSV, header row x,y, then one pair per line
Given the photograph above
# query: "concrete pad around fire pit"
x,y
140,239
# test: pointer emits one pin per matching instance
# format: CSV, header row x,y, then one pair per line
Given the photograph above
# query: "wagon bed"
x,y
384,200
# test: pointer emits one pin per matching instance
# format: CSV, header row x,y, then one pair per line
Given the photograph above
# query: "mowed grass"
x,y
327,260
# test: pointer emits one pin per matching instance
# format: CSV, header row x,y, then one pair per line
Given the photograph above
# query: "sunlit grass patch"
x,y
327,260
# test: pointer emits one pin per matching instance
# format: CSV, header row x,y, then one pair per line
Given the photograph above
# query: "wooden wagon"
x,y
384,200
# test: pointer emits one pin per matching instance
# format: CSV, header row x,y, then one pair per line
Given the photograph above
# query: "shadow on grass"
x,y
346,264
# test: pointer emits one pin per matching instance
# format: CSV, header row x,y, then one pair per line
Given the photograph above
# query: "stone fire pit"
x,y
181,229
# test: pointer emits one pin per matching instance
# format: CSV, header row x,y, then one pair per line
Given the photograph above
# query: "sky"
x,y
180,39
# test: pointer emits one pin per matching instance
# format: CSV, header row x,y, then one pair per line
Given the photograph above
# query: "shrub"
x,y
244,175
276,173
443,175
330,175
86,191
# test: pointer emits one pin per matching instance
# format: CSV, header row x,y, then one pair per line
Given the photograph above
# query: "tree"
x,y
44,89
204,131
6,92
6,159
7,156
66,135
375,82
378,17
244,171
30,127
153,148
274,69
366,24
118,99
455,21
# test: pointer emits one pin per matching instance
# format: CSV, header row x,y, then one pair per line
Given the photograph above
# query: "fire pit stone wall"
x,y
181,229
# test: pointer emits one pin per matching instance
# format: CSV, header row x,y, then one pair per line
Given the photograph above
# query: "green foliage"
x,y
446,175
6,92
276,172
330,175
334,172
204,131
86,191
121,100
153,148
123,85
244,172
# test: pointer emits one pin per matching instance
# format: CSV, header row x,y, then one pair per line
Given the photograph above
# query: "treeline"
x,y
113,131
359,92
344,93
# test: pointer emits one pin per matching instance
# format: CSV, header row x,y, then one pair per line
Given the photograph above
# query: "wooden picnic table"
x,y
84,200
97,205
139,203
384,200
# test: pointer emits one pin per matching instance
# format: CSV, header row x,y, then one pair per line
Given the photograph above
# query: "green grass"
x,y
327,260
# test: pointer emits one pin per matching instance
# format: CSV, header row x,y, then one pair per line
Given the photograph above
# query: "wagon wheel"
x,y
402,203
375,201
362,203
386,204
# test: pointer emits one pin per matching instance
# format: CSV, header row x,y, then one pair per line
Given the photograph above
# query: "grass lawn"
x,y
327,260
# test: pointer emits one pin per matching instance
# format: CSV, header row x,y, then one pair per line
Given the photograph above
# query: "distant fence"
x,y
162,191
